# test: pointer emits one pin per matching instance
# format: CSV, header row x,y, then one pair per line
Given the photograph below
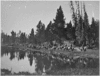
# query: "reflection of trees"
x,y
12,55
56,64
39,63
5,71
46,62
4,50
42,61
30,56
21,55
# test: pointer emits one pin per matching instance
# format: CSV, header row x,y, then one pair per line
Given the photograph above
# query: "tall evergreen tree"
x,y
23,38
74,18
86,25
13,36
49,26
74,14
69,30
59,24
48,33
59,20
97,33
31,37
78,29
40,35
5,38
2,37
93,30
69,25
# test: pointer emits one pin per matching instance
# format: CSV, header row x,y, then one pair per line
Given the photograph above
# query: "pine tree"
x,y
2,37
86,26
13,36
23,38
40,35
74,14
48,32
97,33
5,38
89,36
59,24
59,20
49,26
74,19
93,30
69,30
78,29
39,26
31,37
69,25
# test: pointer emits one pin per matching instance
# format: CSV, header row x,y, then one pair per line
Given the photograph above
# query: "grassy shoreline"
x,y
94,53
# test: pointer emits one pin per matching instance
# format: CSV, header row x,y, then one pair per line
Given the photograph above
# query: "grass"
x,y
75,71
94,53
68,71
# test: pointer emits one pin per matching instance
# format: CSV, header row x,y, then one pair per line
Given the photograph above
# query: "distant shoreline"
x,y
89,53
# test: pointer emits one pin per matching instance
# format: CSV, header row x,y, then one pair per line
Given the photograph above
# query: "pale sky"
x,y
25,15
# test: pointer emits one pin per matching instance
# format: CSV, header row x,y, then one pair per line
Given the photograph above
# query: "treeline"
x,y
85,33
81,32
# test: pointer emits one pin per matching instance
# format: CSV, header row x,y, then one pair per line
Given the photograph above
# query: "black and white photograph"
x,y
41,37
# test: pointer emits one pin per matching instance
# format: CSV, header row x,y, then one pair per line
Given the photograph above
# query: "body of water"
x,y
15,61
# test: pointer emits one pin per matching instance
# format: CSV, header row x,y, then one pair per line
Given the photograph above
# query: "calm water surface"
x,y
20,61
16,64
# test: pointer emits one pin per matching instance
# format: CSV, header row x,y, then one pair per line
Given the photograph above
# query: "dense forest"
x,y
78,30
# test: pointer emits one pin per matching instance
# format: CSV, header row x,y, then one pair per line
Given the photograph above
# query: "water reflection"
x,y
12,55
4,51
37,62
21,55
16,61
42,62
30,57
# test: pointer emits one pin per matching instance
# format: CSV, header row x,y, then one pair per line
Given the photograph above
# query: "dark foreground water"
x,y
14,61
